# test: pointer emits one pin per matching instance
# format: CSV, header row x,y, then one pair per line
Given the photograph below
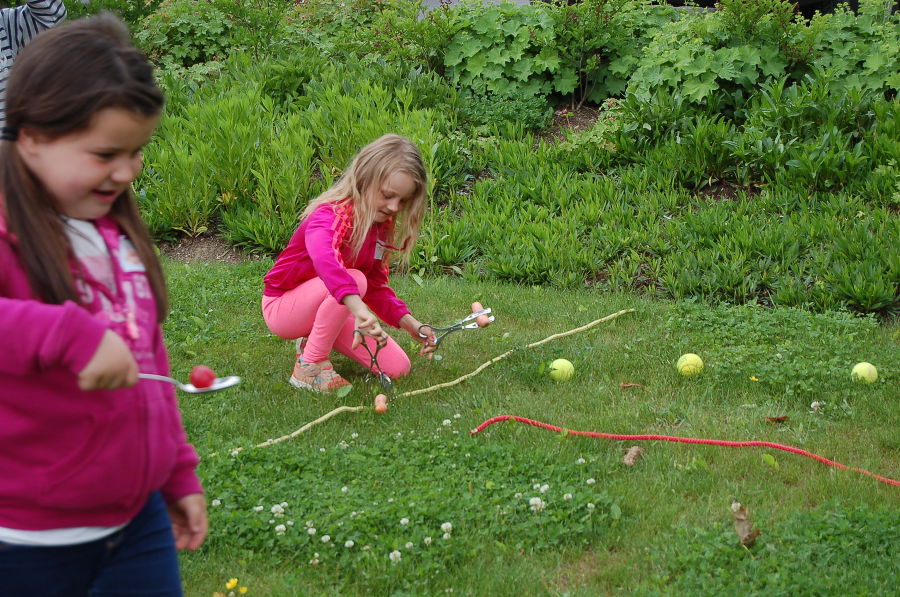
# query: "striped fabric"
x,y
17,27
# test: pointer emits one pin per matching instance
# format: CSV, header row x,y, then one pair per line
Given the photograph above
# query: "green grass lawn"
x,y
387,483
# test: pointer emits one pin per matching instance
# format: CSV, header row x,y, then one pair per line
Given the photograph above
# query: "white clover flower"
x,y
395,556
235,452
321,449
309,523
345,489
366,547
290,523
817,406
447,422
468,455
446,527
344,445
348,544
544,488
446,535
409,545
277,510
457,416
284,504
591,481
326,538
390,500
353,514
567,496
280,529
404,521
455,432
258,508
354,435
311,530
580,461
216,502
536,486
314,561
536,503
590,506
427,540
518,495
271,521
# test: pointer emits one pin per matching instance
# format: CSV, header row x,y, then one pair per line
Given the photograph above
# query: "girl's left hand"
x,y
412,326
189,522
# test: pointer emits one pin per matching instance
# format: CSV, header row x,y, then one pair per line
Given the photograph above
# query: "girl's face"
x,y
393,196
87,170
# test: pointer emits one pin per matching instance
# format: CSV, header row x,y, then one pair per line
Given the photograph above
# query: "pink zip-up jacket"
x,y
70,458
320,248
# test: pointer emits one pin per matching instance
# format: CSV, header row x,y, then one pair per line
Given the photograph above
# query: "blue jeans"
x,y
137,561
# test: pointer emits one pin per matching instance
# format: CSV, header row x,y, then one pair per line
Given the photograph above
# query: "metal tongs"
x,y
386,384
469,322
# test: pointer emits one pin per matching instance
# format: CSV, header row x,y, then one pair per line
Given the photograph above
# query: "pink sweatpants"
x,y
309,310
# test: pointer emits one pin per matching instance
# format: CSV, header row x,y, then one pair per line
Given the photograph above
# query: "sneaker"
x,y
318,377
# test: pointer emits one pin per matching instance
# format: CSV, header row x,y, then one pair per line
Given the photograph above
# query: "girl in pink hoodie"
x,y
98,487
330,285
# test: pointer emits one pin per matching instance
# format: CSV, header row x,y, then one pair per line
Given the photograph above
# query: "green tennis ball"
x,y
689,364
561,370
864,372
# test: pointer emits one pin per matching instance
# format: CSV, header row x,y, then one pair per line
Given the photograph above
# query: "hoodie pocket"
x,y
105,471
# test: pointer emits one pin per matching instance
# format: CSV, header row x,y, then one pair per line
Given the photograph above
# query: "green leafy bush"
x,y
502,49
486,112
186,32
600,42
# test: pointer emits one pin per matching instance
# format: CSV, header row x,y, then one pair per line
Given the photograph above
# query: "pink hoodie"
x,y
70,458
320,248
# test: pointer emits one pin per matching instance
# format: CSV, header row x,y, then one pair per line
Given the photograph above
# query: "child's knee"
x,y
361,281
396,367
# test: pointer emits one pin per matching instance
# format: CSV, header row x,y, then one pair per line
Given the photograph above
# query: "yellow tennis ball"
x,y
561,370
689,364
864,372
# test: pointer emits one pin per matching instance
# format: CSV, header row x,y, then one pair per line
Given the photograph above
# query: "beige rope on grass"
x,y
496,359
439,386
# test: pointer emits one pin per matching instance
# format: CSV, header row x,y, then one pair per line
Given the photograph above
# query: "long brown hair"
x,y
60,80
373,165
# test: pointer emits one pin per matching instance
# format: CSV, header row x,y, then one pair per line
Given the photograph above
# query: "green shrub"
x,y
486,112
503,49
601,41
186,32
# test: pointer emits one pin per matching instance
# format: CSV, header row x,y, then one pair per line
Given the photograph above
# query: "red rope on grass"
x,y
684,440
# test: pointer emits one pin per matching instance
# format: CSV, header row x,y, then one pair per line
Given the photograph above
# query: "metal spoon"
x,y
220,383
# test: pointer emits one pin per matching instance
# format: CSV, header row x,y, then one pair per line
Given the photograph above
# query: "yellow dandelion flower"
x,y
753,378
232,583
242,590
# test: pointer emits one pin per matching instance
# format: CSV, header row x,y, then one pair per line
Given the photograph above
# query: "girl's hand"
x,y
112,366
189,523
412,326
366,322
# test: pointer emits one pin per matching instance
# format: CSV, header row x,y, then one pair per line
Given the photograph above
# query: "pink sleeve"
x,y
46,336
324,234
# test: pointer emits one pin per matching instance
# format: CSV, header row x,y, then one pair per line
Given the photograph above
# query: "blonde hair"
x,y
370,168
